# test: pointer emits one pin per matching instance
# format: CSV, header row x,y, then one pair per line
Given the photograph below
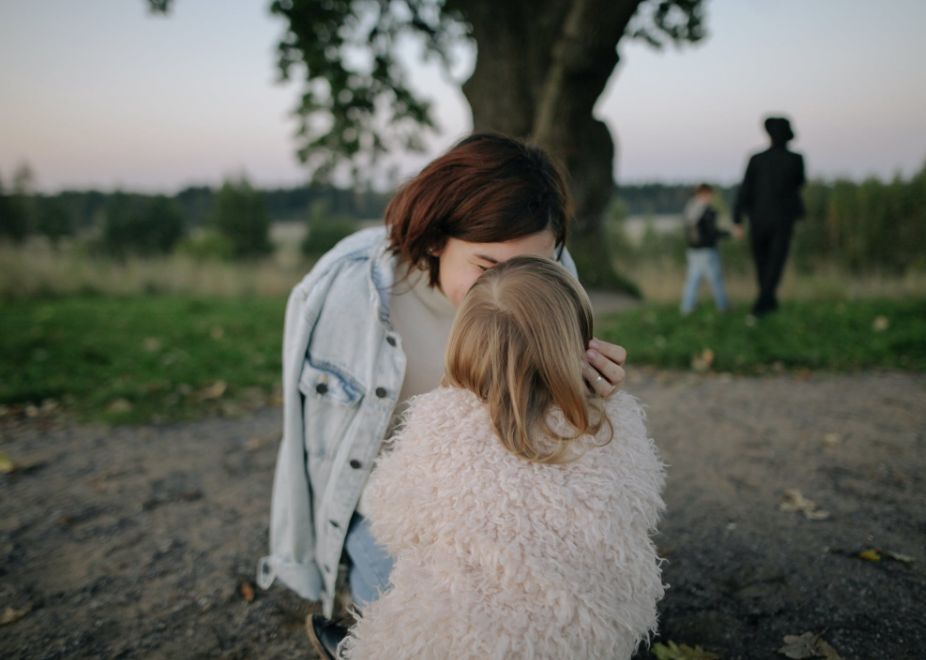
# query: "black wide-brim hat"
x,y
779,129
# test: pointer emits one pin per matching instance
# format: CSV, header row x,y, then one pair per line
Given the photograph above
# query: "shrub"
x,y
17,209
206,245
55,220
241,216
325,232
136,225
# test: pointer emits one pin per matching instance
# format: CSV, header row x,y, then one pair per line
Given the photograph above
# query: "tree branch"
x,y
159,6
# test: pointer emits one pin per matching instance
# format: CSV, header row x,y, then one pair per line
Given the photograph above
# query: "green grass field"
x,y
137,359
140,358
822,335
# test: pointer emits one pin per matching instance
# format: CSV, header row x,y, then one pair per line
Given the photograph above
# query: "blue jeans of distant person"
x,y
370,563
703,262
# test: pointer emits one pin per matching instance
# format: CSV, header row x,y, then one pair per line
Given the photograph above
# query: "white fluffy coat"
x,y
500,558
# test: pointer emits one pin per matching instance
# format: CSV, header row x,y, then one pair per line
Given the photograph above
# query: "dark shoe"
x,y
325,635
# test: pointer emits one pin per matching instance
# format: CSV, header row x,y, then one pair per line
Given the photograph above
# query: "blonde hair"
x,y
518,343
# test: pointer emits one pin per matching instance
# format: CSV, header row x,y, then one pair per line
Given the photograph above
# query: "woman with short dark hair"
x,y
366,330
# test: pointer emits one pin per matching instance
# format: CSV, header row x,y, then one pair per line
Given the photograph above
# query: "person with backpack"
x,y
703,255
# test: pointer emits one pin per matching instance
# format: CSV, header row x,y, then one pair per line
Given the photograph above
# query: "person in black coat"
x,y
771,197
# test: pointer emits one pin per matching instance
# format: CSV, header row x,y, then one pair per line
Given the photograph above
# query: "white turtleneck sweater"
x,y
423,317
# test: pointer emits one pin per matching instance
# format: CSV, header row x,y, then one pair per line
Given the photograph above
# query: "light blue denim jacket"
x,y
343,367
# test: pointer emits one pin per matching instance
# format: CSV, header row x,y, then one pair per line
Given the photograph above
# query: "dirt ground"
x,y
142,542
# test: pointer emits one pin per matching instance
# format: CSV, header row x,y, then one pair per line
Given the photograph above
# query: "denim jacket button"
x,y
381,392
390,340
355,464
321,388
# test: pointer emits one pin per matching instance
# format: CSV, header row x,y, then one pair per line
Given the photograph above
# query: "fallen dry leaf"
x,y
247,592
799,646
703,361
880,324
10,615
826,651
7,464
795,501
870,555
119,406
672,651
807,645
217,332
831,439
214,391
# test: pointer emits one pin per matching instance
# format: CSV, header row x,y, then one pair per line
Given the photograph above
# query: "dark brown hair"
x,y
487,189
518,343
704,188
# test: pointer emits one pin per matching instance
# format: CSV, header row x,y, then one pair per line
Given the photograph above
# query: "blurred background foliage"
x,y
867,227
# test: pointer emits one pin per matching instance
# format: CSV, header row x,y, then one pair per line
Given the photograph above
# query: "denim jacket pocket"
x,y
330,403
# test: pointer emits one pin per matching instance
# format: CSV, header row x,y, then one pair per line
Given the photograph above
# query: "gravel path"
x,y
141,542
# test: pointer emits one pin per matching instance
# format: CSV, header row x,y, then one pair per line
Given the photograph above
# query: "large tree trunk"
x,y
540,68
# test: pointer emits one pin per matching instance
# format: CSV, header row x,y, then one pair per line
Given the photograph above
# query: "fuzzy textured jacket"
x,y
500,558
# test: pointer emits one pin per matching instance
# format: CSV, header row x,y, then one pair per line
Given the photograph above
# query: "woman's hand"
x,y
605,369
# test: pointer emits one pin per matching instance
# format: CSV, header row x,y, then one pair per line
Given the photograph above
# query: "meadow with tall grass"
x,y
655,262
38,269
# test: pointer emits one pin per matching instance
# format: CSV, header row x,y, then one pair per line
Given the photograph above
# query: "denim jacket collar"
x,y
383,264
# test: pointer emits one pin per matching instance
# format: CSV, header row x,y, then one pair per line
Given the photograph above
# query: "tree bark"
x,y
540,68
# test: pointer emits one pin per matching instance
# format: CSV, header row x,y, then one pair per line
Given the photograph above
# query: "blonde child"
x,y
517,506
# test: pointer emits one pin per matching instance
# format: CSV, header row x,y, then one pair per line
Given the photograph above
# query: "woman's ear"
x,y
444,381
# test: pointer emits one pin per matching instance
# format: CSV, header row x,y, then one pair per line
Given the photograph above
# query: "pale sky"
x,y
99,93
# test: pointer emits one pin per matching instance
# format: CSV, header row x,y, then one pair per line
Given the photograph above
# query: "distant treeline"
x,y
87,207
868,225
661,198
873,224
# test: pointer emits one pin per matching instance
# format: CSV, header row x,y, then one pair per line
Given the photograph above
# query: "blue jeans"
x,y
370,563
703,262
